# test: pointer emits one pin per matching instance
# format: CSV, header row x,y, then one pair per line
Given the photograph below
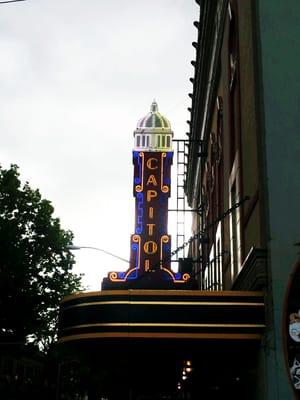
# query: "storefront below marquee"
x,y
145,369
155,344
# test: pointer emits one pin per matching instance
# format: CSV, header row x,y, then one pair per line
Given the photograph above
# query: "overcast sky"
x,y
76,76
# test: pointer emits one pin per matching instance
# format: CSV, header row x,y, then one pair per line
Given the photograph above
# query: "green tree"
x,y
35,263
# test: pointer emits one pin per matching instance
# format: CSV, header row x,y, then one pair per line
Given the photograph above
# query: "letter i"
x,y
150,213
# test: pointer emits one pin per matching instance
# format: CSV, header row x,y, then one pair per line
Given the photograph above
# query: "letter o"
x,y
150,247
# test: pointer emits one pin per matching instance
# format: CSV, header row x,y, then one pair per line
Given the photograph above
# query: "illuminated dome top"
x,y
153,132
154,119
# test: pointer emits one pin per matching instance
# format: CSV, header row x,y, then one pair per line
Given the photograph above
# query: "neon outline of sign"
x,y
119,276
177,278
140,213
164,188
163,239
137,179
167,181
141,159
137,247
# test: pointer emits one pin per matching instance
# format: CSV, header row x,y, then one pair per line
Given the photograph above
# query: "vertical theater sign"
x,y
150,244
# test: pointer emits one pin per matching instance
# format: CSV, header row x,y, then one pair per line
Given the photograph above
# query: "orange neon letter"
x,y
150,247
152,180
150,213
150,229
151,194
151,162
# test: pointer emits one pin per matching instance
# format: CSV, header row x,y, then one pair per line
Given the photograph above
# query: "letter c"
x,y
150,163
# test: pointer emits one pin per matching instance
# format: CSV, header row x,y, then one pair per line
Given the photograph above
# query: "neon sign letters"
x,y
151,244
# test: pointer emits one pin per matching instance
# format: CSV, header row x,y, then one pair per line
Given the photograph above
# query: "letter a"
x,y
152,180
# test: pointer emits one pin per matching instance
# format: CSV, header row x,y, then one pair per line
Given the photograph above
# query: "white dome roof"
x,y
154,120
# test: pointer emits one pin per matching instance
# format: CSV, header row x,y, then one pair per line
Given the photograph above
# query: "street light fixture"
x,y
73,247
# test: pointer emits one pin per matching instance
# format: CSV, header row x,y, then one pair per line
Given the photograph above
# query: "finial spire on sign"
x,y
154,106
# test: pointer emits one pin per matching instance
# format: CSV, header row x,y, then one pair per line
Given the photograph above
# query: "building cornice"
x,y
205,81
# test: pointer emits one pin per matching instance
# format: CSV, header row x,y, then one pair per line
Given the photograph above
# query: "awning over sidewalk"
x,y
162,314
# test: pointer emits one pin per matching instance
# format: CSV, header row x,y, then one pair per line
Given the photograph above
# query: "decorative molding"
x,y
253,274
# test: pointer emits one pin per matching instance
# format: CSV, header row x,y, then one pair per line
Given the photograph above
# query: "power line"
x,y
10,1
73,247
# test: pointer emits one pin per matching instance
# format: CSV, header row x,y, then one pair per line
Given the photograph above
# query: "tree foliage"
x,y
35,263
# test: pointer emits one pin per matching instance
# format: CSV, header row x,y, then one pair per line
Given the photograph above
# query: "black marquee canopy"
x,y
160,314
